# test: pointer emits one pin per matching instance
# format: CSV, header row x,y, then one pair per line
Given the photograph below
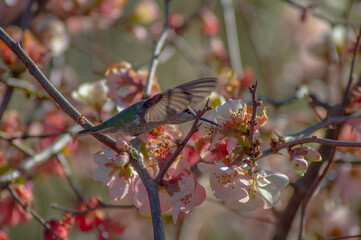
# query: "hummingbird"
x,y
174,106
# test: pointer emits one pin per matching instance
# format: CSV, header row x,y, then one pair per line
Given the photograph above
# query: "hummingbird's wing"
x,y
164,105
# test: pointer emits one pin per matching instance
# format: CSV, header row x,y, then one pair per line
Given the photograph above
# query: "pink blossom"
x,y
228,110
190,154
125,85
210,22
222,150
298,164
264,191
236,114
310,154
177,168
58,228
3,236
141,200
12,213
123,145
190,194
118,188
225,181
114,172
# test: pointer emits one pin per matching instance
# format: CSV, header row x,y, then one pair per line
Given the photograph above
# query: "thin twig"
x,y
232,37
253,122
306,7
30,210
322,124
343,237
343,161
277,146
180,147
157,49
278,103
64,163
18,144
26,136
318,102
308,197
6,100
354,57
18,83
314,139
38,158
100,206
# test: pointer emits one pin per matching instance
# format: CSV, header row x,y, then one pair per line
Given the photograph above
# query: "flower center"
x,y
252,191
186,199
239,115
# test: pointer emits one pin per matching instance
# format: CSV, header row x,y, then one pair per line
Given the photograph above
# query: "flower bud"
x,y
122,145
308,153
298,164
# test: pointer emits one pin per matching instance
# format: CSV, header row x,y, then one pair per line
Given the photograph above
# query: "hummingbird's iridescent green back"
x,y
122,120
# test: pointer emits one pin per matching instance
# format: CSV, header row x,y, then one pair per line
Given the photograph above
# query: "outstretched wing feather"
x,y
174,101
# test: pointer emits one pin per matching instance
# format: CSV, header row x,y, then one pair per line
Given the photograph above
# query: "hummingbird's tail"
x,y
101,128
89,130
